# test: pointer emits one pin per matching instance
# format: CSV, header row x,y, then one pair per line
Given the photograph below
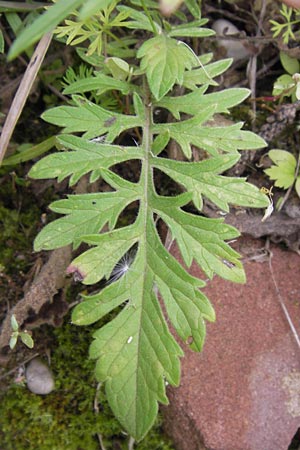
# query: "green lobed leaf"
x,y
100,83
212,139
86,214
202,240
201,178
120,347
164,61
136,353
186,306
91,119
283,172
86,157
196,101
205,74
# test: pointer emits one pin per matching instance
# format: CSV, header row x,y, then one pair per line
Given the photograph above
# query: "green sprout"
x,y
16,334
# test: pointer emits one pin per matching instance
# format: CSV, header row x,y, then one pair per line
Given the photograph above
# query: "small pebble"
x,y
234,49
39,377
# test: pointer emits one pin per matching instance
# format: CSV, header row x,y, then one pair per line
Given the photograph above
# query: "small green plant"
x,y
291,18
16,334
135,353
284,170
288,84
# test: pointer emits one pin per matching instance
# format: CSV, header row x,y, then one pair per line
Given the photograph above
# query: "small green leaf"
x,y
13,340
26,339
165,60
191,32
283,172
283,84
291,65
13,323
32,152
119,68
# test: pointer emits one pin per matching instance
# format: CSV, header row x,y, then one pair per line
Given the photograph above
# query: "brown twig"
x,y
23,92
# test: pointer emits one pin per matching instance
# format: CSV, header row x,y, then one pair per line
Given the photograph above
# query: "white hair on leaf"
x,y
123,265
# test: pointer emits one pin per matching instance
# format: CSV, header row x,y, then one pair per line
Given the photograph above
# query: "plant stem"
x,y
149,17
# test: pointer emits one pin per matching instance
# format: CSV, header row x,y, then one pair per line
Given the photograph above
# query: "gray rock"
x,y
39,377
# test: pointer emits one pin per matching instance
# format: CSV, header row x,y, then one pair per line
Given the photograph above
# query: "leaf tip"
x,y
78,275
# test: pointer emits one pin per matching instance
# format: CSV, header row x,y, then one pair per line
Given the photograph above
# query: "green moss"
x,y
65,419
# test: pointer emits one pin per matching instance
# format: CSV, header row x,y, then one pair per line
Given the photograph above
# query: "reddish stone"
x,y
243,391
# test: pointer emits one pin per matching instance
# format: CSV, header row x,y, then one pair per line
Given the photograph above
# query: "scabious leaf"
x,y
283,172
136,353
202,240
91,119
87,157
201,178
205,74
165,60
212,139
196,101
86,214
100,83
